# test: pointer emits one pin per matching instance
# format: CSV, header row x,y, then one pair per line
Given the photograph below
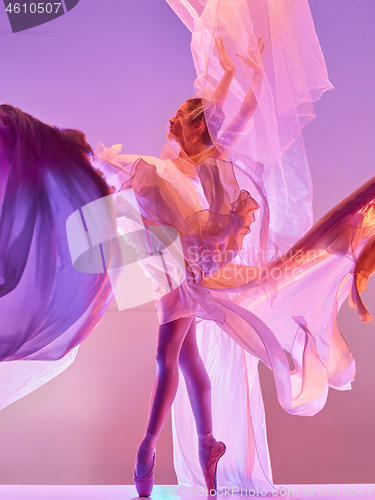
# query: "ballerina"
x,y
176,344
198,195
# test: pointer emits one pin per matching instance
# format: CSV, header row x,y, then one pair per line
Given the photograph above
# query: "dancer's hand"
x,y
254,61
255,52
224,60
221,91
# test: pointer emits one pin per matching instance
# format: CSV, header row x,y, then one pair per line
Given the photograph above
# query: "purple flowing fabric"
x,y
46,307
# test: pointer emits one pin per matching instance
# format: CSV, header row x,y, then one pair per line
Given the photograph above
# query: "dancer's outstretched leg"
x,y
198,387
170,338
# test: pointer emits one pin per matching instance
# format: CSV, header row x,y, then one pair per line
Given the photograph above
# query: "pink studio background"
x,y
117,70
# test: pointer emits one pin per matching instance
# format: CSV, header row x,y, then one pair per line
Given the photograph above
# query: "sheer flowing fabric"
x,y
46,307
289,303
269,149
270,162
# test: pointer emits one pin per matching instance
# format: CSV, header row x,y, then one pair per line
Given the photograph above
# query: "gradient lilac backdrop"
x,y
117,70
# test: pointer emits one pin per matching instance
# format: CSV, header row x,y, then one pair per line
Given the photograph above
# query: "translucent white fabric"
x,y
295,76
289,303
270,162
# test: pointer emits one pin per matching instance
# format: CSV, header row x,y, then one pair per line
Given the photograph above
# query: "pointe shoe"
x,y
145,484
209,472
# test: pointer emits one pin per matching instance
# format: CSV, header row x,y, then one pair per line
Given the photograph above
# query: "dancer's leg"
x,y
170,338
198,387
198,384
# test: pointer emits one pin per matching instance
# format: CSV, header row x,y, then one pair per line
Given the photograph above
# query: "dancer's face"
x,y
181,129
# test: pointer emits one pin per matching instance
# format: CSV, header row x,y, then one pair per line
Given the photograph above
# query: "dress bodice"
x,y
208,210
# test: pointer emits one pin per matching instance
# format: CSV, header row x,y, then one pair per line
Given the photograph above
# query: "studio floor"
x,y
101,492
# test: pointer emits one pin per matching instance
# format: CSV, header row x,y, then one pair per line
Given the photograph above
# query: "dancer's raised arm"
x,y
254,61
229,68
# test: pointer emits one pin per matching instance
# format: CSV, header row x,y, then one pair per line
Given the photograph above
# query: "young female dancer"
x,y
177,345
196,192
